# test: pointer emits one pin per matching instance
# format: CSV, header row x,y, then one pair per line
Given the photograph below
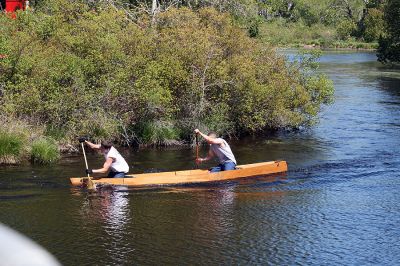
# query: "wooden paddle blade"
x,y
90,184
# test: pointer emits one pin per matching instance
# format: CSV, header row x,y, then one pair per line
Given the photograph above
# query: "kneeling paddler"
x,y
219,148
115,164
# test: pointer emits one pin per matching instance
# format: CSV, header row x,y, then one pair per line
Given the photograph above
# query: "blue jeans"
x,y
113,174
223,167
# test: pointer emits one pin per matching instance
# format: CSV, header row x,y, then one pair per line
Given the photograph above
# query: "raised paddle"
x,y
197,146
90,184
197,150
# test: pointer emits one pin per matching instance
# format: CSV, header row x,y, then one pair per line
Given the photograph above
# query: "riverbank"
x,y
298,35
22,143
339,46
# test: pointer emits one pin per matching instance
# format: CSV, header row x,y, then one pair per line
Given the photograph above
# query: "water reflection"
x,y
390,84
109,208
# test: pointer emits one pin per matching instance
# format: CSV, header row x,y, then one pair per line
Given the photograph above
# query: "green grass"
x,y
56,133
44,151
355,45
281,33
158,134
11,147
288,34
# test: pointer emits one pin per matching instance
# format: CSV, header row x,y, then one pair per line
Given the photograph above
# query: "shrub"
x,y
374,25
44,151
11,147
389,43
89,70
346,29
158,133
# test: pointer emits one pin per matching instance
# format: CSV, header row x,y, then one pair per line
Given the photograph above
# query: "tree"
x,y
389,45
373,25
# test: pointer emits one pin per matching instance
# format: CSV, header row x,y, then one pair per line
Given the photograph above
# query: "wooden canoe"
x,y
188,176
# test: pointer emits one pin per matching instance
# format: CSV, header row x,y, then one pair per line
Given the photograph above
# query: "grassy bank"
x,y
20,142
11,147
44,151
297,35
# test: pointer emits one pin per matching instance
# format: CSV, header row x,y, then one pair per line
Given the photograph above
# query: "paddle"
x,y
197,150
90,184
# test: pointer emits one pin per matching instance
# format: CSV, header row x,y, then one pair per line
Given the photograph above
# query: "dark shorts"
x,y
223,167
113,174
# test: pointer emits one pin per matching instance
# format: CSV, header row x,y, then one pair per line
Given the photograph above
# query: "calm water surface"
x,y
338,204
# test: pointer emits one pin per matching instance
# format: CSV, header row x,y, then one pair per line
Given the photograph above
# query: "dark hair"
x,y
212,133
106,144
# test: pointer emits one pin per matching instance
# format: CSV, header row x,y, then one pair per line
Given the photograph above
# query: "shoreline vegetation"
x,y
135,76
296,35
335,24
21,142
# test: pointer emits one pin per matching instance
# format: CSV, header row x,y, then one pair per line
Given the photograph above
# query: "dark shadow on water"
x,y
391,85
18,197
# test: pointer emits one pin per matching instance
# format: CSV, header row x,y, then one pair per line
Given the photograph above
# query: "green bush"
x,y
158,133
44,151
11,147
281,33
374,25
346,29
389,44
89,70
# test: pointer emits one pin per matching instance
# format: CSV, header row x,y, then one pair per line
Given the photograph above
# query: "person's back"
x,y
119,164
115,164
223,152
220,148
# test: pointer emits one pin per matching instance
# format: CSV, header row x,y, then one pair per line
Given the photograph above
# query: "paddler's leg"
x,y
228,166
217,168
120,175
113,174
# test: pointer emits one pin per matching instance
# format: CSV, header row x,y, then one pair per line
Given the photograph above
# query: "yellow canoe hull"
x,y
189,176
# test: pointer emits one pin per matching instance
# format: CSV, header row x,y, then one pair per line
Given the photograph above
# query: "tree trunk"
x,y
154,8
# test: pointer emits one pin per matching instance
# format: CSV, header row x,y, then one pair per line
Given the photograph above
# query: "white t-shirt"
x,y
119,164
224,153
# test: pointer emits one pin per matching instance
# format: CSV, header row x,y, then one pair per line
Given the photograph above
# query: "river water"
x,y
338,204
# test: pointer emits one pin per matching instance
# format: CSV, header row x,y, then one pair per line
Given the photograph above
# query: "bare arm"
x,y
92,145
209,139
209,157
106,166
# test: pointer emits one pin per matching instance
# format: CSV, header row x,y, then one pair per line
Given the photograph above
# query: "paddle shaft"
x,y
90,184
84,156
197,147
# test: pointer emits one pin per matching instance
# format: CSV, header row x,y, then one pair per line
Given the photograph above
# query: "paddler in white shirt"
x,y
115,164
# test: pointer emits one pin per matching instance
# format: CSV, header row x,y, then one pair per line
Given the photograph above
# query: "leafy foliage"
x,y
374,25
89,69
346,29
389,45
326,21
